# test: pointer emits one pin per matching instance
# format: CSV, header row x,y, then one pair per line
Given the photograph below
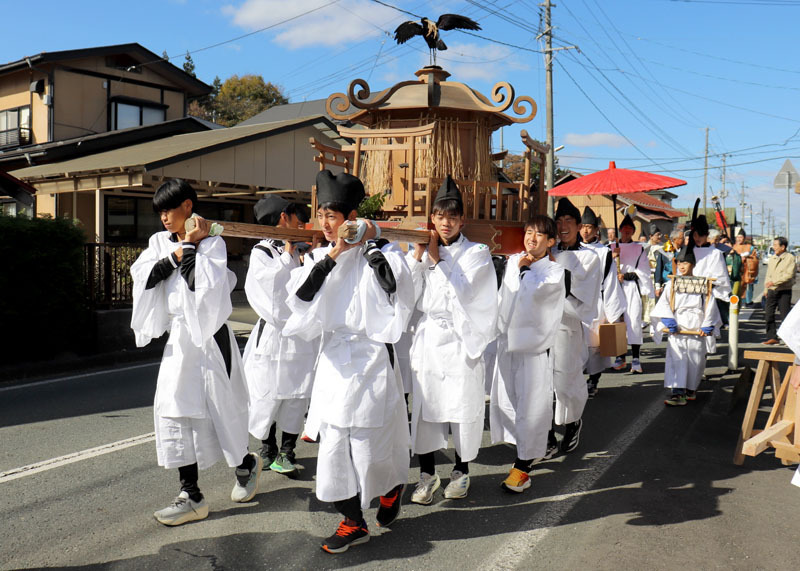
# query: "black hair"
x,y
172,193
291,208
339,207
782,241
543,224
449,206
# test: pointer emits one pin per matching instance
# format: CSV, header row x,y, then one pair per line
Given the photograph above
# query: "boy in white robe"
x,y
634,275
279,370
611,303
789,331
456,288
531,303
685,311
181,284
359,296
584,278
710,260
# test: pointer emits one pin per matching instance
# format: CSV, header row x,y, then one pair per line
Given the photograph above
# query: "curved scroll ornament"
x,y
501,98
519,109
339,104
502,93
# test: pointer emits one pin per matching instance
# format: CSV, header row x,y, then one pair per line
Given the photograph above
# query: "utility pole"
x,y
724,192
548,66
762,220
705,175
742,204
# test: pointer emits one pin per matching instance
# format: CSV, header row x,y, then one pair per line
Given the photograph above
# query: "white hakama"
x,y
531,304
611,306
686,354
570,351
789,331
633,260
279,370
357,405
200,411
458,301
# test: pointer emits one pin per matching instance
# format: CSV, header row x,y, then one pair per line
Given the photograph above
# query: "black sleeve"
x,y
609,261
381,268
316,278
500,268
630,277
187,266
658,277
161,271
567,282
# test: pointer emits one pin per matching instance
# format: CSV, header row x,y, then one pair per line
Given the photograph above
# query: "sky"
x,y
639,83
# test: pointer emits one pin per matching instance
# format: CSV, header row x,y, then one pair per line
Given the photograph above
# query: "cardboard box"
x,y
613,339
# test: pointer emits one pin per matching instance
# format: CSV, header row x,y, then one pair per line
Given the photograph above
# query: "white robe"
x,y
611,306
633,259
789,331
357,404
531,304
686,354
193,382
277,368
711,264
572,339
458,301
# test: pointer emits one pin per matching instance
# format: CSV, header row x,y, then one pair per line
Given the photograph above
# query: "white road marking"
x,y
523,542
74,377
31,469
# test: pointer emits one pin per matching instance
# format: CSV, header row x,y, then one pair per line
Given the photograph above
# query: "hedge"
x,y
43,308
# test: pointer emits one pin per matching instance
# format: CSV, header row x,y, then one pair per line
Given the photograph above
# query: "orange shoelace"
x,y
345,530
388,501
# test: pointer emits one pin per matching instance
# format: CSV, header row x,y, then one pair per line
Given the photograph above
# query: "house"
x,y
52,97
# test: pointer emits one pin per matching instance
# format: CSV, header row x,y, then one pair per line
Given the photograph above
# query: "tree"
x,y
514,168
240,98
188,65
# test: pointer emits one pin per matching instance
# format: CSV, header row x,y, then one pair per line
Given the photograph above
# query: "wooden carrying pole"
x,y
257,231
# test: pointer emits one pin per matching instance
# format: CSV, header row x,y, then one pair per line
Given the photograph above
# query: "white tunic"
x,y
357,403
611,306
458,301
193,381
789,331
276,367
571,345
686,354
633,259
531,305
711,264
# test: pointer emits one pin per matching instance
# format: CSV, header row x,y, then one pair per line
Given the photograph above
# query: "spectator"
x,y
749,265
781,269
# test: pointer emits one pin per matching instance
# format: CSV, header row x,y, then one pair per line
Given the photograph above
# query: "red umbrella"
x,y
614,181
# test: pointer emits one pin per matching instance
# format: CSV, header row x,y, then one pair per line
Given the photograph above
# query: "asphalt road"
x,y
649,487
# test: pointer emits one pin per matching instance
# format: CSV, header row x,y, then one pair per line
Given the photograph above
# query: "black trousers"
x,y
780,299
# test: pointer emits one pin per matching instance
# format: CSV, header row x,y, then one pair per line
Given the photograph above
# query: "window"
x,y
128,112
15,127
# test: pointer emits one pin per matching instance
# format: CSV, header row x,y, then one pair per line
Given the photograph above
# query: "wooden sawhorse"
x,y
782,431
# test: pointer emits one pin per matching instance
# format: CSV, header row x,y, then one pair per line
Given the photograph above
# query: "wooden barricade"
x,y
782,430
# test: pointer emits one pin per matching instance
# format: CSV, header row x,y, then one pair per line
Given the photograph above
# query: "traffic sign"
x,y
787,176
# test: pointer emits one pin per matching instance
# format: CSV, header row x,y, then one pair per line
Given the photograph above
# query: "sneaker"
x,y
691,395
458,486
345,536
390,506
306,438
268,454
636,366
183,509
552,448
517,481
423,494
591,388
246,484
284,464
619,364
572,436
675,400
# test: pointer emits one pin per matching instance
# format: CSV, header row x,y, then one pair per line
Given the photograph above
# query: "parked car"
x,y
767,254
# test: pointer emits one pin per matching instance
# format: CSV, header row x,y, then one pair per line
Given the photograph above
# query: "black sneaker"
x,y
591,388
390,506
552,448
572,436
268,454
345,536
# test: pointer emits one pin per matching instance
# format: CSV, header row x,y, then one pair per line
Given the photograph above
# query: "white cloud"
x,y
573,159
344,22
651,144
595,140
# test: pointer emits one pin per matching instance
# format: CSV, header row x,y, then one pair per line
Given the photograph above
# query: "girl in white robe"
x,y
279,369
789,331
686,354
530,307
200,408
